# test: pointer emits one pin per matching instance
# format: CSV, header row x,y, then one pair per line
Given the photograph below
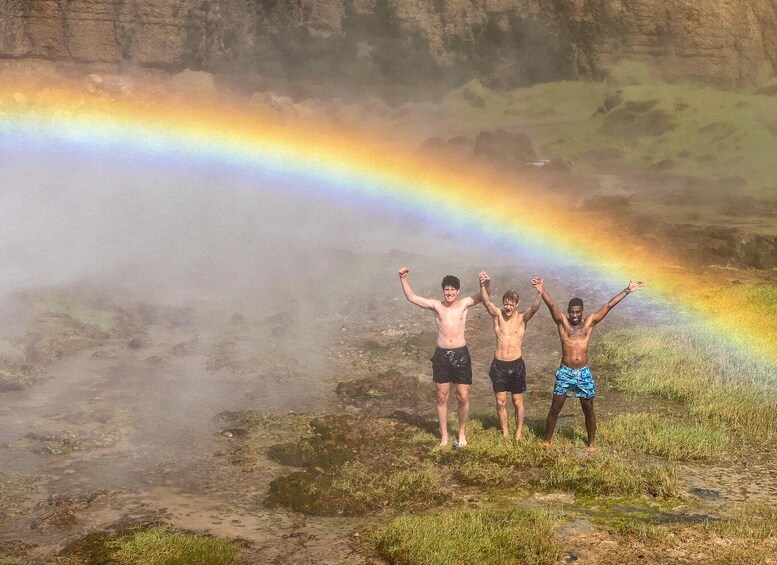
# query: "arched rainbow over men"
x,y
356,169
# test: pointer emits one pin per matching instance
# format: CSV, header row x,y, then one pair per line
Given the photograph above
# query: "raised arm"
x,y
485,294
539,285
473,300
602,312
532,310
410,295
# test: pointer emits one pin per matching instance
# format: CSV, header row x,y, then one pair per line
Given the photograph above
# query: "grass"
x,y
493,462
470,536
749,537
393,488
345,475
166,546
604,474
158,545
690,128
720,389
663,437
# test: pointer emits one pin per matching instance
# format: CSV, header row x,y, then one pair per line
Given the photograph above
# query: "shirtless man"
x,y
508,371
451,361
574,376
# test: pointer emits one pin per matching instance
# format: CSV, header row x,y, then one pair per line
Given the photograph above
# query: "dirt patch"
x,y
59,323
62,510
14,491
348,472
386,393
66,442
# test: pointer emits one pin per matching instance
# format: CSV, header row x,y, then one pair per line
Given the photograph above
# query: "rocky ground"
x,y
187,425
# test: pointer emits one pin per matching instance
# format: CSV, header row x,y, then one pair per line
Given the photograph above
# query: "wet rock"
x,y
716,244
156,359
767,90
285,107
611,102
178,317
288,454
103,354
455,147
193,83
607,202
233,432
140,342
61,510
93,83
186,348
473,98
664,165
638,119
118,84
505,146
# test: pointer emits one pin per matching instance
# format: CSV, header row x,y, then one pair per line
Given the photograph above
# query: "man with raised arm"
x,y
574,376
451,362
508,371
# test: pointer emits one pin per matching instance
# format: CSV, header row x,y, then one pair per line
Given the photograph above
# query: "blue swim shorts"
x,y
574,382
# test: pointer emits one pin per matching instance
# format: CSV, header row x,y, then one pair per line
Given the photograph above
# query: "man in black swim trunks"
x,y
451,362
508,371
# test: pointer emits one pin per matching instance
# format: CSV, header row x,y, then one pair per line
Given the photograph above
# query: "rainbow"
x,y
353,167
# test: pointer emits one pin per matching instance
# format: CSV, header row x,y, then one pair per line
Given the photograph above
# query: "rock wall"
x,y
502,42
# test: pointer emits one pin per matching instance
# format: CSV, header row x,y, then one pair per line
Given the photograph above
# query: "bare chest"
x,y
509,328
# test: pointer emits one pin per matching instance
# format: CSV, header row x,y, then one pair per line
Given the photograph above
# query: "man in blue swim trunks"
x,y
451,363
573,376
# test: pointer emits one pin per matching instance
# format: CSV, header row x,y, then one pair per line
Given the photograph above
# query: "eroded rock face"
x,y
503,42
727,245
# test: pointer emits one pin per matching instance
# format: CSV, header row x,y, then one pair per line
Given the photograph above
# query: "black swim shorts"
x,y
508,375
452,366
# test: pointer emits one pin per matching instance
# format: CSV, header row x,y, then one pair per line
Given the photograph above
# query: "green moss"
x,y
471,536
157,545
603,474
668,438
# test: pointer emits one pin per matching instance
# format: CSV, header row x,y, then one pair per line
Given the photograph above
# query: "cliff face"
x,y
503,42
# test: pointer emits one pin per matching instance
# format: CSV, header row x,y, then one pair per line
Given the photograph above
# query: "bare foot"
x,y
546,444
591,448
517,437
459,444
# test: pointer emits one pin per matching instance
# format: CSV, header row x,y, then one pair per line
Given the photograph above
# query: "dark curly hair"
x,y
450,280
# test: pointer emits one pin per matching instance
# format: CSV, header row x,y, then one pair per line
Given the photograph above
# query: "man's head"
x,y
450,287
510,301
575,311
